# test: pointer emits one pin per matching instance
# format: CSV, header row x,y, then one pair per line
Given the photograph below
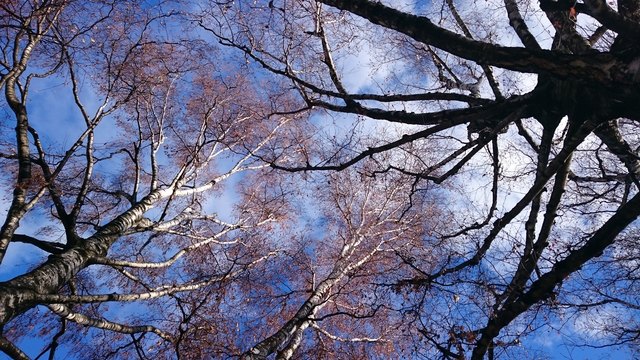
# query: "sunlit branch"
x,y
294,342
342,339
59,269
289,335
178,186
66,313
158,292
18,106
157,140
172,259
328,60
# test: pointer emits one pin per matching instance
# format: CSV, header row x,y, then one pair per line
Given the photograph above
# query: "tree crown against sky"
x,y
319,179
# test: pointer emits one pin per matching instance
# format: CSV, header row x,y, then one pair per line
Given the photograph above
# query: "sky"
x,y
54,114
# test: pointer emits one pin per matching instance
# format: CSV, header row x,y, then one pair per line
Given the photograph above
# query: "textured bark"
x,y
519,25
289,335
21,293
453,277
600,68
17,208
12,350
67,314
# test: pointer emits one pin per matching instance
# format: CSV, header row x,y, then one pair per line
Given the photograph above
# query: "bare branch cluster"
x,y
318,178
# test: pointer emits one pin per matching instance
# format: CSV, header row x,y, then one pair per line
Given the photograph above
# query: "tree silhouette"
x,y
565,143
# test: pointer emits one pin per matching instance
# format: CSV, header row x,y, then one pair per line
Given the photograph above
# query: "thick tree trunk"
x,y
21,293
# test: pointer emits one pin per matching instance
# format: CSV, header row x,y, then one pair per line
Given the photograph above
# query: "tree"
x,y
456,92
405,180
373,224
123,201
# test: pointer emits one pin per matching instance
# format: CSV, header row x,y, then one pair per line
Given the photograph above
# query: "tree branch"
x,y
81,319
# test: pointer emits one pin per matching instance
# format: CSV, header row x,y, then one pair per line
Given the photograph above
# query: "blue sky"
x,y
56,118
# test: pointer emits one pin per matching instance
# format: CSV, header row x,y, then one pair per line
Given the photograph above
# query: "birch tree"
x,y
121,202
366,223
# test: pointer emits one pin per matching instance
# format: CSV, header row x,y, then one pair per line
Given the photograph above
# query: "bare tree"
x,y
536,143
365,222
122,202
318,179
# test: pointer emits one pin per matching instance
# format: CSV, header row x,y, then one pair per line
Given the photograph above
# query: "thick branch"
x,y
520,26
48,246
81,319
543,287
600,10
602,68
10,349
16,295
